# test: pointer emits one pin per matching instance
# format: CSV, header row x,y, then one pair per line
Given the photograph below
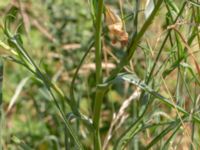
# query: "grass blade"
x,y
17,45
163,133
136,81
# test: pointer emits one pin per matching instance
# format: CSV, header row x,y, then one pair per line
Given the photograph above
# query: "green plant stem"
x,y
124,61
98,46
162,46
99,94
77,70
135,144
25,57
159,53
98,101
134,42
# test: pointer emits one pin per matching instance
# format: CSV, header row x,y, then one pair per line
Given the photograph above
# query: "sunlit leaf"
x,y
149,8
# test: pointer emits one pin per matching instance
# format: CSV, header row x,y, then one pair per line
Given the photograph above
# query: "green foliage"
x,y
68,85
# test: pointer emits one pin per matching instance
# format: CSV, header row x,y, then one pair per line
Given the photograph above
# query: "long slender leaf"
x,y
163,133
17,45
194,3
136,81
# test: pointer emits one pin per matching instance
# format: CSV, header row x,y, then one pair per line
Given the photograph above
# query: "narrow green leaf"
x,y
173,66
163,133
136,81
172,5
25,57
194,3
166,145
128,134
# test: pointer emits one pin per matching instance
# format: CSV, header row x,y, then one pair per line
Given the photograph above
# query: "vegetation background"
x,y
151,102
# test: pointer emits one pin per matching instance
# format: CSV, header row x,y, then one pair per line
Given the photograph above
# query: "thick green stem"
x,y
98,101
98,52
99,94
